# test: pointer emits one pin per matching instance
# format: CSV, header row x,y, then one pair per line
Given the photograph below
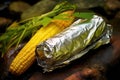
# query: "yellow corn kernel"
x,y
26,56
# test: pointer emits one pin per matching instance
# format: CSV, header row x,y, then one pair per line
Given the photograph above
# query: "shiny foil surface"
x,y
73,42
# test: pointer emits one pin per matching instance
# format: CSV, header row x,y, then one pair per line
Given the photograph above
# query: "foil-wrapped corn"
x,y
73,42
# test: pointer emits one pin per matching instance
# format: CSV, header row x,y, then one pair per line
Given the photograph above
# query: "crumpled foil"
x,y
73,42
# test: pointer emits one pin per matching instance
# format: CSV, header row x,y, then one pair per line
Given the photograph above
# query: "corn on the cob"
x,y
26,56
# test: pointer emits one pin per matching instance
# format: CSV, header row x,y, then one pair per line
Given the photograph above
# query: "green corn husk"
x,y
25,29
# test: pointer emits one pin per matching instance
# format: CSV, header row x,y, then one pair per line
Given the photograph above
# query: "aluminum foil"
x,y
73,42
